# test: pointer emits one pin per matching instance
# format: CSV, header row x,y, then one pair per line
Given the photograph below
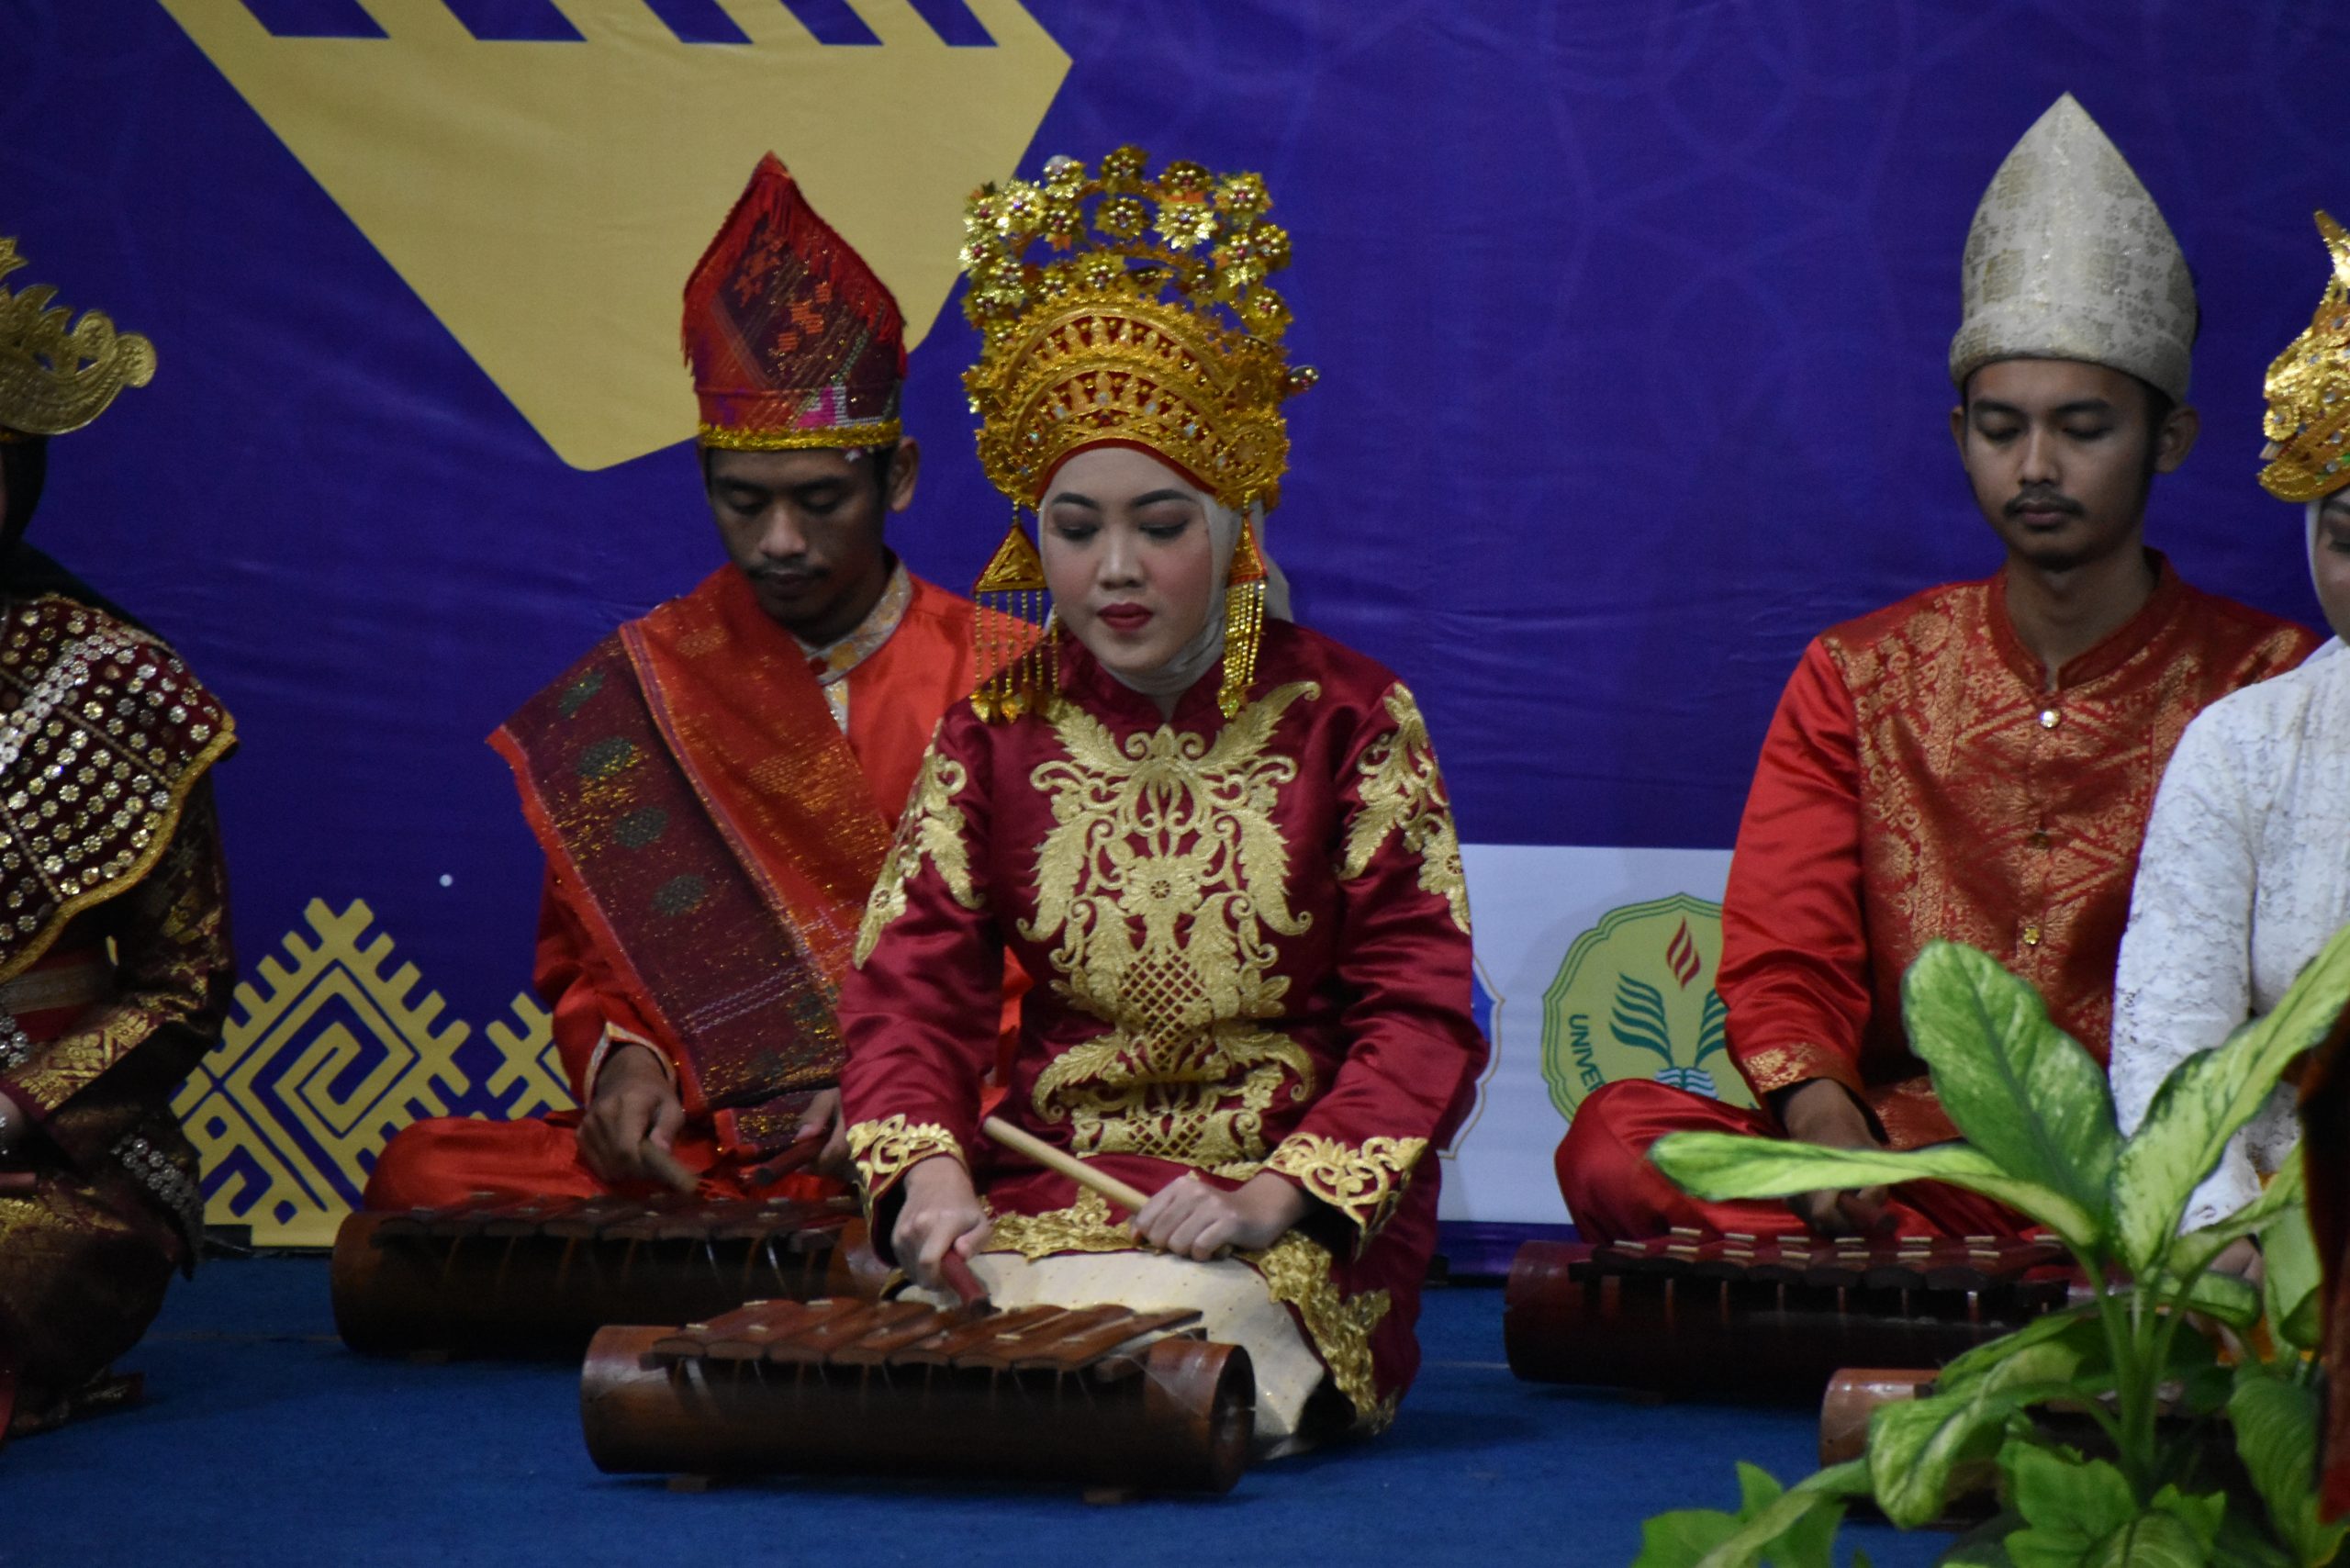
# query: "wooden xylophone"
x,y
1766,1319
539,1277
1096,1396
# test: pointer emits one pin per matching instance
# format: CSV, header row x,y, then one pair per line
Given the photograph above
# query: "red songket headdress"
x,y
793,340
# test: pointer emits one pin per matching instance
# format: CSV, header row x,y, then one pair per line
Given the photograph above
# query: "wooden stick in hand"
x,y
667,1169
1130,1199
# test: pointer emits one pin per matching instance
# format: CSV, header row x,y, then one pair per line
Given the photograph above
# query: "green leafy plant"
x,y
2138,1362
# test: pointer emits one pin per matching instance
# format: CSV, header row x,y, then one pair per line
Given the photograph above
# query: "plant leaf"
x,y
2022,1090
2070,1506
2224,1297
1914,1444
1720,1166
2276,1422
1796,1526
1788,1513
2150,1541
2077,1326
2291,1273
2285,1191
2207,1098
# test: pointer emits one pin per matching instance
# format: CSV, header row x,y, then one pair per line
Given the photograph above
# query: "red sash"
x,y
687,776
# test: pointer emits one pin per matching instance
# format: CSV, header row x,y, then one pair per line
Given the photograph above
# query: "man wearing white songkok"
x,y
2243,877
1976,762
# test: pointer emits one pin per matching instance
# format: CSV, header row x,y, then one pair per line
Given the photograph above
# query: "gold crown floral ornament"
x,y
53,380
2309,392
1153,326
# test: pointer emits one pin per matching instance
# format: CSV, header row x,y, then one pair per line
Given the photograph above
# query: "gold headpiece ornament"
x,y
2308,391
1156,328
53,380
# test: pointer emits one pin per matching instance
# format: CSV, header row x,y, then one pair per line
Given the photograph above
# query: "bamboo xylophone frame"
x,y
537,1278
1093,1397
1764,1320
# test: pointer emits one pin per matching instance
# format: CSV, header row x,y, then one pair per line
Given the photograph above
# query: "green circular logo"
x,y
1634,998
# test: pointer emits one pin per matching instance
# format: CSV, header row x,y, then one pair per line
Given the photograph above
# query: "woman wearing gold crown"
x,y
115,967
2242,879
1217,840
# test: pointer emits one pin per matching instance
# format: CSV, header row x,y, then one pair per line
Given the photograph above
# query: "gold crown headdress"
x,y
1156,328
53,380
2308,391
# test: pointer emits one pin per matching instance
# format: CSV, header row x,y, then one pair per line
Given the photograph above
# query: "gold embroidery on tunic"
x,y
1156,891
884,1149
1086,1226
1296,1272
1402,791
933,826
1364,1185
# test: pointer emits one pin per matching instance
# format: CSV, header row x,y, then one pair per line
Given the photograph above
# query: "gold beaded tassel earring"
x,y
1243,620
1013,631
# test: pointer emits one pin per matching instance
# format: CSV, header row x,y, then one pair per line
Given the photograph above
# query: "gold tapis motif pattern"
x,y
1402,793
331,1050
1364,1185
1156,890
933,827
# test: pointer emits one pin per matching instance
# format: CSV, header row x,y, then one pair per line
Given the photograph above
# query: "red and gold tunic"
x,y
1250,943
1924,778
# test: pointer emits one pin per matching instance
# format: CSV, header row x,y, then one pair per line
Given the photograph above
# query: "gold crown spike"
x,y
2308,391
1156,327
1019,667
53,380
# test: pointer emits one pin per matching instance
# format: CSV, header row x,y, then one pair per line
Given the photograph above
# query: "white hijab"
x,y
1199,655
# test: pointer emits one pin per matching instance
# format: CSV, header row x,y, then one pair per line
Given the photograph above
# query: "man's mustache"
x,y
781,571
2043,500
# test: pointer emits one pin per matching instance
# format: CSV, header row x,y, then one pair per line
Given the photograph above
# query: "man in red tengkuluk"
x,y
715,784
1975,763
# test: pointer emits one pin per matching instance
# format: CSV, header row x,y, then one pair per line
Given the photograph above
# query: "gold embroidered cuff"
x,y
1773,1068
885,1149
1364,1185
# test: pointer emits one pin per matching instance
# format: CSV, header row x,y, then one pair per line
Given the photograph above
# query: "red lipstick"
x,y
1124,616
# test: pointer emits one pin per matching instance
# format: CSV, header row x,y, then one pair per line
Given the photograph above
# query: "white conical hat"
x,y
2069,258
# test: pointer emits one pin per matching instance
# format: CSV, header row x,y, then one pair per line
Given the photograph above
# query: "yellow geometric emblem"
x,y
547,199
322,1062
1635,998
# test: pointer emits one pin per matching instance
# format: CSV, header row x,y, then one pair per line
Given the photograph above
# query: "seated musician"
x,y
115,943
2243,877
714,785
1217,840
1976,762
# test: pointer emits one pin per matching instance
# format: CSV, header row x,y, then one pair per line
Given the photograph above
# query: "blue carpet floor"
x,y
263,1443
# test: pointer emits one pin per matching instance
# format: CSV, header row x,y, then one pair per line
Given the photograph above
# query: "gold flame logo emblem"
x,y
546,200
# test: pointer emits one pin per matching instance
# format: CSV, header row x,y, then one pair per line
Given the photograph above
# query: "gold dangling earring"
x,y
1243,620
1010,605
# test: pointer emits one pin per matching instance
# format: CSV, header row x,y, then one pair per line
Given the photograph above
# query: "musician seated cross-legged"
x,y
1975,763
1217,840
714,784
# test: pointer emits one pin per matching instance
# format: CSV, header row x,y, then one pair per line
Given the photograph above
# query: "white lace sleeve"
x,y
2184,982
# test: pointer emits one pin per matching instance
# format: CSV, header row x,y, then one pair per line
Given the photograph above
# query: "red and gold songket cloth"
x,y
1250,939
115,975
1925,778
711,830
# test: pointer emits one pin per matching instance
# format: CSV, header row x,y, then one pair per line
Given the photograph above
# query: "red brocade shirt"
x,y
1924,778
1250,943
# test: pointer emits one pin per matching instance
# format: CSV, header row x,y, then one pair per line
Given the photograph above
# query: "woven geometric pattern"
x,y
328,1055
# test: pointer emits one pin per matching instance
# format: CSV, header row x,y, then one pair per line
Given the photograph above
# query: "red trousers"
x,y
1614,1193
449,1160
